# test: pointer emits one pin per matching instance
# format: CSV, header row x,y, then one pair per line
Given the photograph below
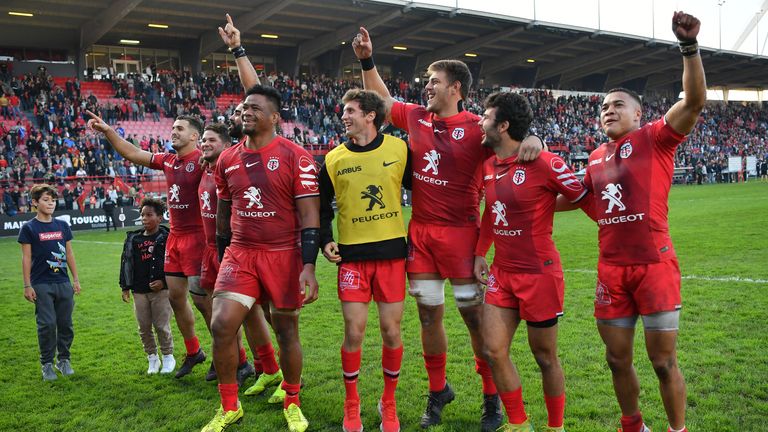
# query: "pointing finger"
x,y
229,20
365,35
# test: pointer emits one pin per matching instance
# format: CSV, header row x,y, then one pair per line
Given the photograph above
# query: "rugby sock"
x,y
350,367
193,345
291,394
391,360
435,364
633,423
482,368
257,365
243,357
267,356
228,394
555,409
513,404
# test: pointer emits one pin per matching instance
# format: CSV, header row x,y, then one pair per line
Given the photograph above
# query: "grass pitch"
x,y
720,237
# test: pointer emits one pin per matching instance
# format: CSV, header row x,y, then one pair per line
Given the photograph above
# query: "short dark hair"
x,y
221,130
369,102
155,203
268,92
513,108
455,70
194,122
39,190
631,93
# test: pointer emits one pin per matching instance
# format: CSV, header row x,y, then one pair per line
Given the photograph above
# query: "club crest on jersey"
x,y
253,194
626,150
190,167
374,195
433,160
174,191
458,133
602,296
273,163
518,177
612,194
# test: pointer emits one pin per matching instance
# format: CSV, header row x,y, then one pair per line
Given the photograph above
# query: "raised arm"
x,y
683,115
231,37
126,149
363,48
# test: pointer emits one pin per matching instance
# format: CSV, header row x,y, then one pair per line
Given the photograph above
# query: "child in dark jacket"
x,y
142,272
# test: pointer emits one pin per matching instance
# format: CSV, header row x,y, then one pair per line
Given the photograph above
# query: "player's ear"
x,y
502,127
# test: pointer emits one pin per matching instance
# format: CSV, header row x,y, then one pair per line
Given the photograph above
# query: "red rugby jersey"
x,y
182,175
447,158
630,181
519,210
263,186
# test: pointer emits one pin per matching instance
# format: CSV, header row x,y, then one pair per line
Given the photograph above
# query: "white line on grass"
x,y
692,277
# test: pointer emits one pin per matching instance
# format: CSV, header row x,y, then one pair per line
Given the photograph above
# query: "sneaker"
x,y
154,364
49,374
65,367
224,419
525,426
244,371
645,429
436,401
189,362
554,429
211,375
296,420
492,416
265,380
388,413
352,422
277,397
169,364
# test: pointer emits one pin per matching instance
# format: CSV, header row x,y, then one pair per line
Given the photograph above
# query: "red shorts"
x,y
210,268
384,280
449,251
183,254
267,276
625,291
538,296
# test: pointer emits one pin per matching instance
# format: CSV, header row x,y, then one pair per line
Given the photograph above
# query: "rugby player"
x,y
526,279
267,228
447,157
215,139
638,274
183,256
366,175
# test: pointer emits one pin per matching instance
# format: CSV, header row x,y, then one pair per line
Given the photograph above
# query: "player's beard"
x,y
236,131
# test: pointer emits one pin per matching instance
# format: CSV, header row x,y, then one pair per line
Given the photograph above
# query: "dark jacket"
x,y
157,266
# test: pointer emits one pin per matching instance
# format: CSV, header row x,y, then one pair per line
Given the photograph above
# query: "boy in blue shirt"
x,y
46,252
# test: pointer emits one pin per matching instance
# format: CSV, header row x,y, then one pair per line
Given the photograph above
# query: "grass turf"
x,y
719,232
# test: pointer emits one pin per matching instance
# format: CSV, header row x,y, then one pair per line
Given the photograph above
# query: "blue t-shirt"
x,y
49,253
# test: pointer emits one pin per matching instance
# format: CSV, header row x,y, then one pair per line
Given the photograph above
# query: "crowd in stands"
x,y
43,132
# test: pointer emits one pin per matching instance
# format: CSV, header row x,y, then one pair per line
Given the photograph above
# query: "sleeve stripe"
x,y
583,194
307,195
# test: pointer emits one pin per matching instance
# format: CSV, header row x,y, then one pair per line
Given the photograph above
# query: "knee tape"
x,y
626,322
662,321
193,284
428,292
467,295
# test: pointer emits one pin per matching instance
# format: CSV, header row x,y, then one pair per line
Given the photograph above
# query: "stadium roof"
x,y
564,56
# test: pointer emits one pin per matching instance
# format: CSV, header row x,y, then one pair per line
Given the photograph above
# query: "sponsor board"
x,y
77,221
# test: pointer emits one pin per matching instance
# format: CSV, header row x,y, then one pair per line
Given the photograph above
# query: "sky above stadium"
x,y
649,18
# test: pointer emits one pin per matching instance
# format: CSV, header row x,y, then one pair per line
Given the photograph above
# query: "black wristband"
x,y
688,48
310,245
238,52
221,245
367,63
